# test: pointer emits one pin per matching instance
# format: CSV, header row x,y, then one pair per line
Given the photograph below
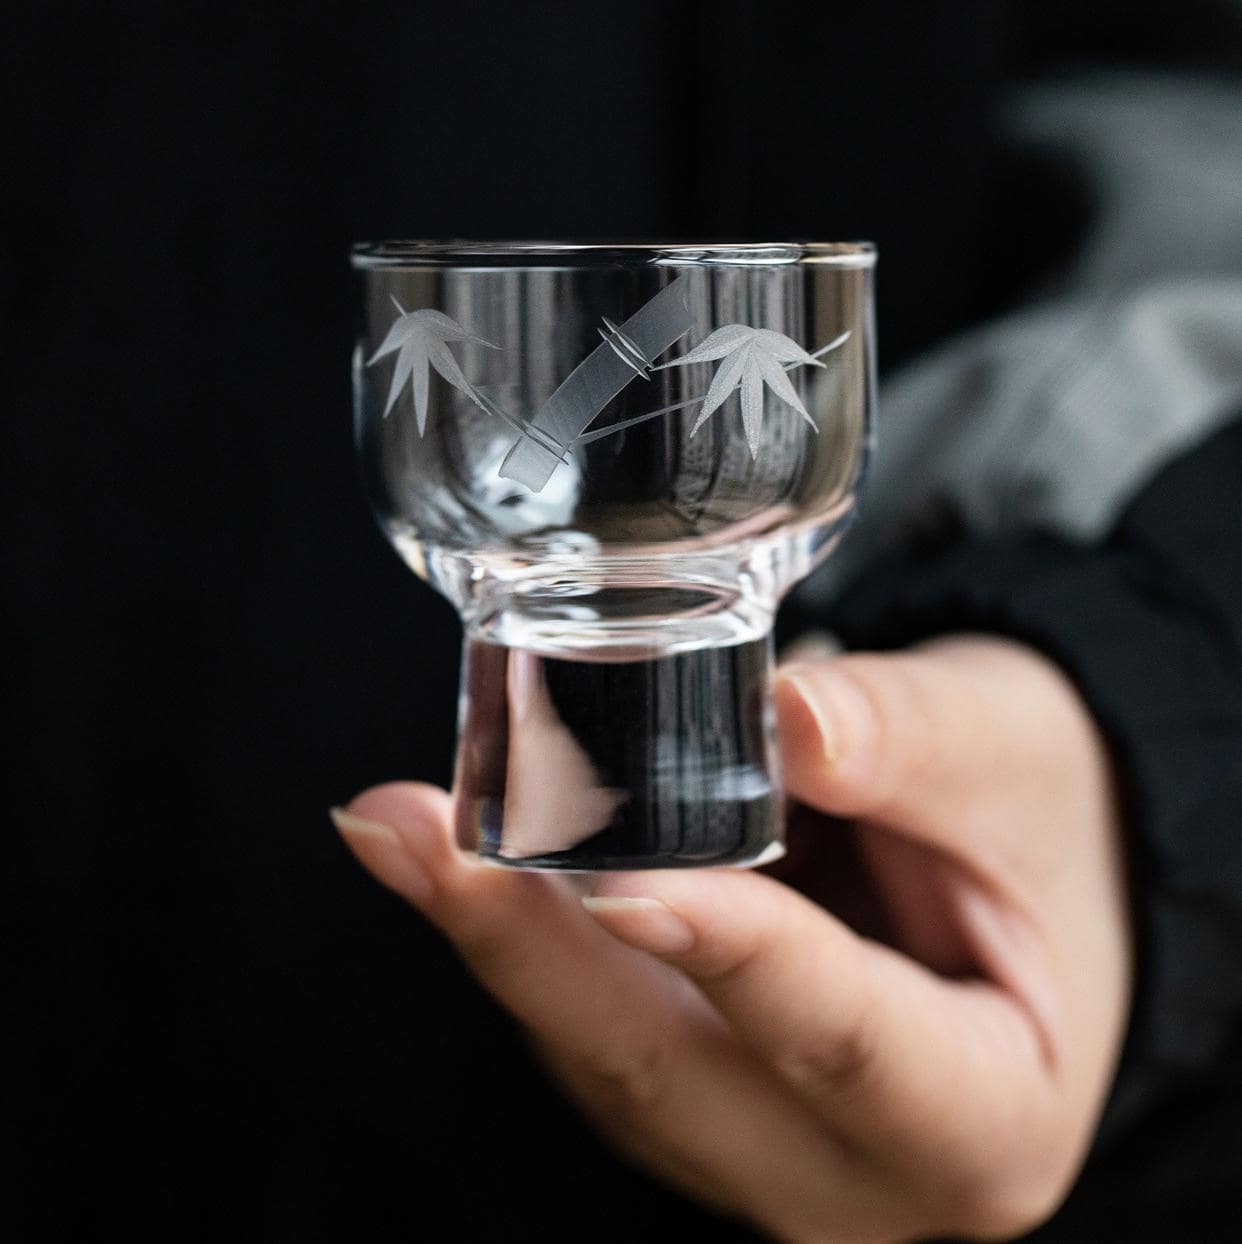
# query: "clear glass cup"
x,y
614,460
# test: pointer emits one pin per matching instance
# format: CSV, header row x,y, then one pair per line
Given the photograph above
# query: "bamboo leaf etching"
x,y
752,358
420,339
750,361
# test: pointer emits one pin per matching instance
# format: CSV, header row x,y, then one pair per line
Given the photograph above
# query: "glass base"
x,y
652,761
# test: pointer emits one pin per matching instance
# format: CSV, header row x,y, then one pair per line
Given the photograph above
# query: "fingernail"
x,y
380,849
646,923
794,684
359,827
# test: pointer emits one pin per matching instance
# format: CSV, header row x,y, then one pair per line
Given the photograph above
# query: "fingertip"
x,y
400,832
666,883
463,884
646,923
709,922
802,710
380,850
402,803
704,898
827,732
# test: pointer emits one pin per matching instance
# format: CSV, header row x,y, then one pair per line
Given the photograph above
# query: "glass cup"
x,y
614,460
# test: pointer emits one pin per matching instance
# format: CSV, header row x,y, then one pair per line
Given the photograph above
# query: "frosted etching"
x,y
420,339
750,360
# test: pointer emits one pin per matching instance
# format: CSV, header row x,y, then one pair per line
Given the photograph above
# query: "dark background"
x,y
224,1029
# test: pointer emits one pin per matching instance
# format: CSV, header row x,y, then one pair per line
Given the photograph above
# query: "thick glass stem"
x,y
641,761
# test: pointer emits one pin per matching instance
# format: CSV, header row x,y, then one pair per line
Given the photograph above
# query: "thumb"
x,y
921,740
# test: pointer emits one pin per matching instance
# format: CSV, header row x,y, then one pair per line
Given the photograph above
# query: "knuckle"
x,y
628,1080
836,1066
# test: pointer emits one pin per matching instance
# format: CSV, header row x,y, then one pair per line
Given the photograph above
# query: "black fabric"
x,y
1149,626
222,1028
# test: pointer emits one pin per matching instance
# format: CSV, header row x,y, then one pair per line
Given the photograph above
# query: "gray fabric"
x,y
1055,416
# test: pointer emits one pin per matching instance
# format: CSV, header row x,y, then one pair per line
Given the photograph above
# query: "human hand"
x,y
943,1076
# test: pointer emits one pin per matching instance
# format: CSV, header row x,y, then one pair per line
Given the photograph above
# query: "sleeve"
x,y
1148,624
1054,414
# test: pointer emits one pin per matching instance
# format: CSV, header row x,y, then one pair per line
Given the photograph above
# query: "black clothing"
x,y
224,1029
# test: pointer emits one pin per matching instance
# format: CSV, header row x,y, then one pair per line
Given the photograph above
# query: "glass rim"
x,y
464,253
